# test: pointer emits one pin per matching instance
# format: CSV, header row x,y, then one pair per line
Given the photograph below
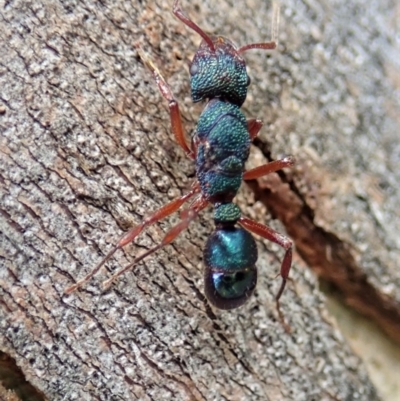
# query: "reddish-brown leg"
x,y
189,215
128,237
268,168
273,236
254,125
175,115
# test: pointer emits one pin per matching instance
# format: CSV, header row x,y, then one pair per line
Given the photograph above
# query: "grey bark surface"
x,y
86,152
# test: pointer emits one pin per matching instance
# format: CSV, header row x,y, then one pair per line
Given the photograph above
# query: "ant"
x,y
220,147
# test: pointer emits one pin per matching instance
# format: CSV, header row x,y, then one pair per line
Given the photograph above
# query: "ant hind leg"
x,y
128,237
188,215
273,236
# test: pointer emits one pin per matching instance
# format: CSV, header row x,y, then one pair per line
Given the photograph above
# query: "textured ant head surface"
x,y
219,72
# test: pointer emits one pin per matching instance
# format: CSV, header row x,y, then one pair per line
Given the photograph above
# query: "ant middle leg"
x,y
254,125
268,168
128,237
175,114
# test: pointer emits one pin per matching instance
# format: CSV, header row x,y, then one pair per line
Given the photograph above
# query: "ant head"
x,y
219,71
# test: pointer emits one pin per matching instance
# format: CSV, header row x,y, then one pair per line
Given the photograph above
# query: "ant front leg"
x,y
175,114
127,238
273,236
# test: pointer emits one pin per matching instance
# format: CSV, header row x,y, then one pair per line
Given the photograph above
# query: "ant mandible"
x,y
220,147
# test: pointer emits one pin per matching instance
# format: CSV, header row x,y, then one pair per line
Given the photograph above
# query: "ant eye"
x,y
194,69
248,80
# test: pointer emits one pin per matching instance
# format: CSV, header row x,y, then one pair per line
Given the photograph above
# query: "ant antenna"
x,y
177,11
276,14
274,33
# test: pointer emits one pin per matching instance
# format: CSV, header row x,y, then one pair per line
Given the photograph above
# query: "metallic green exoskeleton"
x,y
220,148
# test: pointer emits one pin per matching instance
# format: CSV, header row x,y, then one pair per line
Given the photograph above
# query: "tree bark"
x,y
86,152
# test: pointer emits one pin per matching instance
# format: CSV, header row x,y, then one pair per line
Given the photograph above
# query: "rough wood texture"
x,y
86,152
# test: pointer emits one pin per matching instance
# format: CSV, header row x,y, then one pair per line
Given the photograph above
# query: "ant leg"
x,y
254,125
273,236
128,237
189,215
175,115
268,168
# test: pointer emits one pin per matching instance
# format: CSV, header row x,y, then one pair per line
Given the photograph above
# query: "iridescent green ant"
x,y
220,147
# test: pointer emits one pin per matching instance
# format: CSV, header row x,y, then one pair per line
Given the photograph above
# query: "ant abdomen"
x,y
230,274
